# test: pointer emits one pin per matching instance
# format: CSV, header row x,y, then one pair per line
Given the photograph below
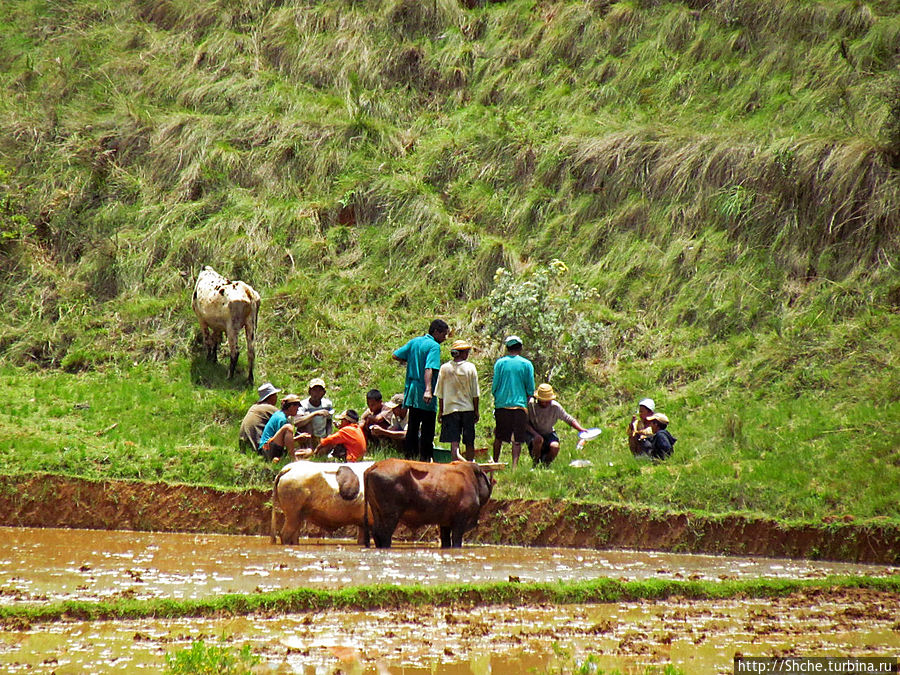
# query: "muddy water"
x,y
41,565
695,636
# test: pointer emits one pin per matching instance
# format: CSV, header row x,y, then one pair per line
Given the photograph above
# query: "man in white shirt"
x,y
316,412
458,394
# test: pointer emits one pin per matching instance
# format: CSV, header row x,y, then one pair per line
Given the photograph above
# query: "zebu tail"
x,y
365,522
274,523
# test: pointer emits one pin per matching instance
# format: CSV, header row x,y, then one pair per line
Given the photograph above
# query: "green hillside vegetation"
x,y
696,201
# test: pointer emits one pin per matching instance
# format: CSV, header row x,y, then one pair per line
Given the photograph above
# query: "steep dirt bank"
x,y
39,500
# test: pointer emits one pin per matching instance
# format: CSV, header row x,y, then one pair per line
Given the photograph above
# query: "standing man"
x,y
422,356
255,420
458,394
513,384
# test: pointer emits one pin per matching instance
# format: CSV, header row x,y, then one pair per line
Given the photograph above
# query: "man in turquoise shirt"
x,y
513,384
422,356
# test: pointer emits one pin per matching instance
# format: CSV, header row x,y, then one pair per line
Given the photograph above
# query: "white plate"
x,y
588,434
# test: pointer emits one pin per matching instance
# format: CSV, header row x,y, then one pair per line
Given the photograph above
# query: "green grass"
x,y
722,183
385,596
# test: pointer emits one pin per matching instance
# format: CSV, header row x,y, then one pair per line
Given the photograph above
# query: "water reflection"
x,y
40,565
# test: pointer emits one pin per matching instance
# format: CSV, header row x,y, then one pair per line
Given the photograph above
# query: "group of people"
x,y
447,394
647,433
303,428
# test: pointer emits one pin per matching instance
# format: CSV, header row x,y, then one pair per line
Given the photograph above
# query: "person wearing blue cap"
x,y
513,384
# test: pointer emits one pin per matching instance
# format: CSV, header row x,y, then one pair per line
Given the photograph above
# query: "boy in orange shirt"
x,y
347,444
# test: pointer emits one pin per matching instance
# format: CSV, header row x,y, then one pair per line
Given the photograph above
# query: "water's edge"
x,y
44,500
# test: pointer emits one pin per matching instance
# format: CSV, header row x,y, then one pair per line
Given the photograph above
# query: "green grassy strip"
x,y
384,597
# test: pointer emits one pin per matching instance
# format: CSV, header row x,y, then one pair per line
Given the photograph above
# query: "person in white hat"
x,y
543,412
316,412
513,384
255,420
639,427
458,395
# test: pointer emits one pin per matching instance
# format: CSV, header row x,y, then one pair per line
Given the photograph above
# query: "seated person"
x,y
659,445
347,444
315,413
543,412
397,422
255,420
278,437
639,428
376,414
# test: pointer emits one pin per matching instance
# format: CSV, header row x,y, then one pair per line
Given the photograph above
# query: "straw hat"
x,y
459,345
290,399
658,417
545,392
317,382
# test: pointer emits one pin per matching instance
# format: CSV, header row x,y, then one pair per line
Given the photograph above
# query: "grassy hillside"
x,y
694,201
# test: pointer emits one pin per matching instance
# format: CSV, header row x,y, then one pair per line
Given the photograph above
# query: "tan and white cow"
x,y
225,306
327,495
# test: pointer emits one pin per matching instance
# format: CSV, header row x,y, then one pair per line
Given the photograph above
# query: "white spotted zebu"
x,y
225,306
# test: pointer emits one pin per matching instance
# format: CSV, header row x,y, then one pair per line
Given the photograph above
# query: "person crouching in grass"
x,y
278,437
347,444
543,411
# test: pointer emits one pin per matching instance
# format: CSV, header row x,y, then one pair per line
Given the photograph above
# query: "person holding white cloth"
x,y
543,412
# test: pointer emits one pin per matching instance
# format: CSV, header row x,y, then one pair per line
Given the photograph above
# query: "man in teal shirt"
x,y
513,384
422,356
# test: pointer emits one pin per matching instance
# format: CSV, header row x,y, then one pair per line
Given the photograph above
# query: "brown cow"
x,y
422,493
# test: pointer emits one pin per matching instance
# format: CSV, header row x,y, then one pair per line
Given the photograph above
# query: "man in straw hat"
x,y
278,437
513,384
659,445
458,394
543,411
397,420
255,420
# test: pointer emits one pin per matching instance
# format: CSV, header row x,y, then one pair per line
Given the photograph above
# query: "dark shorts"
x,y
548,439
511,424
458,425
272,450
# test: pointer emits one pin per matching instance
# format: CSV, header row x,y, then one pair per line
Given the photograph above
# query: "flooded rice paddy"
x,y
45,565
41,565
